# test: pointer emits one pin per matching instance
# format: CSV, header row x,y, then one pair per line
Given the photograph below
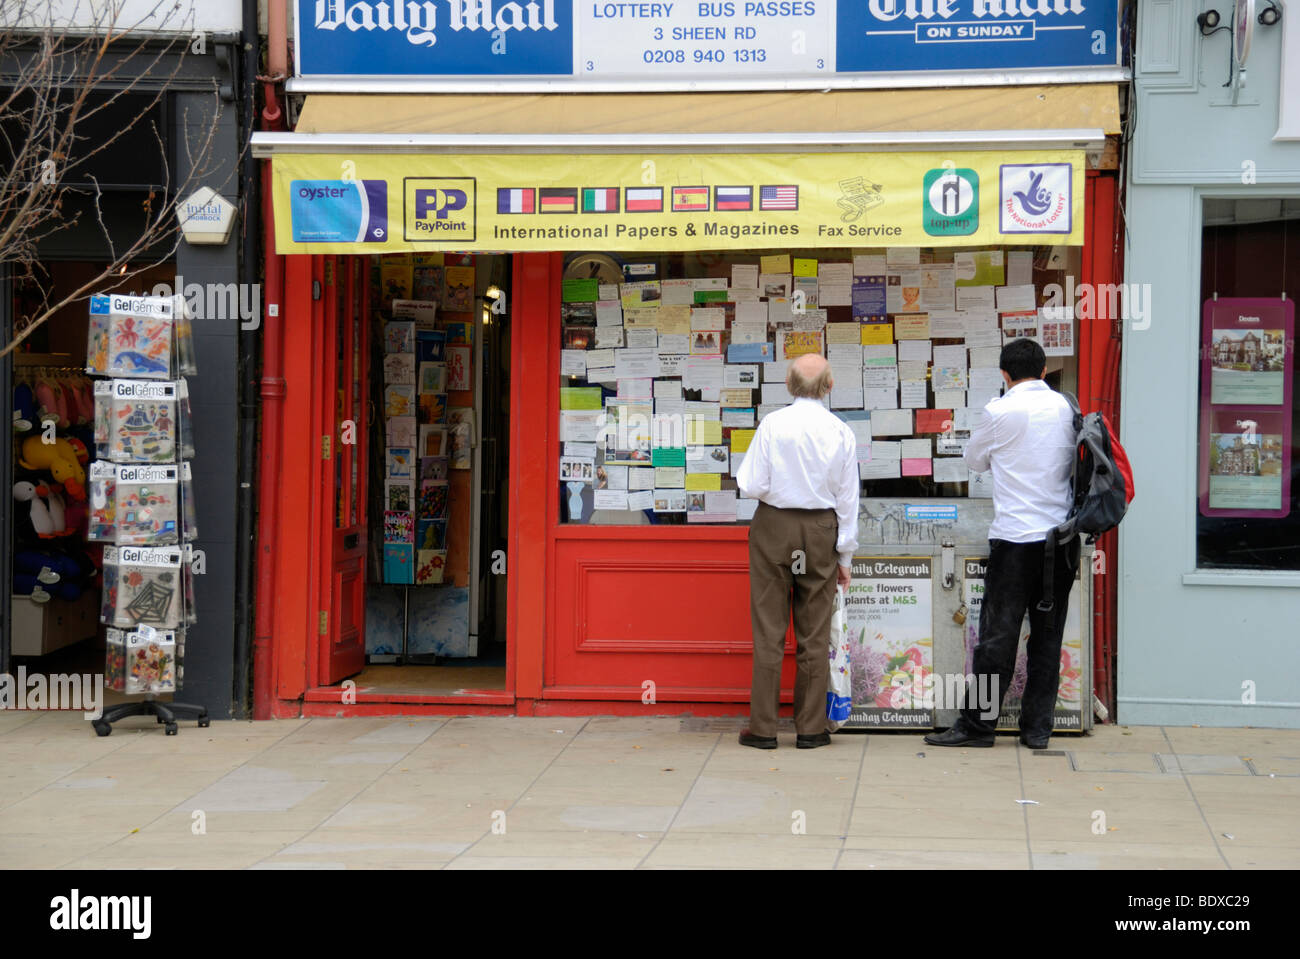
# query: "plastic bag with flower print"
x,y
839,691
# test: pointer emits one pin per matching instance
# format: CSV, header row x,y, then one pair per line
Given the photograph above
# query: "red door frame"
x,y
534,528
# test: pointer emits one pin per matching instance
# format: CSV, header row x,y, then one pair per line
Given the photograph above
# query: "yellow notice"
x,y
779,263
703,433
704,481
740,440
877,334
674,320
804,267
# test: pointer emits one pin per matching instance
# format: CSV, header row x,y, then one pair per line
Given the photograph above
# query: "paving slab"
x,y
648,792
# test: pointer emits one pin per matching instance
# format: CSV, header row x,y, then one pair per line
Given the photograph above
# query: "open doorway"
x,y
415,375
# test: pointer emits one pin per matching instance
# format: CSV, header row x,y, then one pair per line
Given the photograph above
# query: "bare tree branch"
x,y
62,79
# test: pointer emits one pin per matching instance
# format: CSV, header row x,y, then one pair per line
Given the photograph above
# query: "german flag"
x,y
689,199
558,199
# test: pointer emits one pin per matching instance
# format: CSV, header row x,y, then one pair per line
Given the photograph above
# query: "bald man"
x,y
802,467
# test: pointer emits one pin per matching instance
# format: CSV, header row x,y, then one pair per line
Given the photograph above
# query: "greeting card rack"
x,y
141,503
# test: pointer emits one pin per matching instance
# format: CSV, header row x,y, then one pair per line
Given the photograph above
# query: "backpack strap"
x,y
1048,599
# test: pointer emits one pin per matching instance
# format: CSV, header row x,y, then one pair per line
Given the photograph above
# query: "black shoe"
x,y
758,742
1033,743
812,742
955,737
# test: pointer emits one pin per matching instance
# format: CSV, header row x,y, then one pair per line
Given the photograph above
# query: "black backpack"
x,y
1101,483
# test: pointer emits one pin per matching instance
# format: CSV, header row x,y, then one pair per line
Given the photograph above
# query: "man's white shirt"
x,y
1027,437
805,457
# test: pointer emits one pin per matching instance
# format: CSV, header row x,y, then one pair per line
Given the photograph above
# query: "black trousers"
x,y
1013,585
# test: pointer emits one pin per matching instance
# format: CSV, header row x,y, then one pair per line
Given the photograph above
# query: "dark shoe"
x,y
758,742
1034,743
813,741
955,737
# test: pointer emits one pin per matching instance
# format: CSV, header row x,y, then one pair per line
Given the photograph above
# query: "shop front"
x,y
609,287
1211,597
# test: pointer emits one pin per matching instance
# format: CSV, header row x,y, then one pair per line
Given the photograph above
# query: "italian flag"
x,y
602,200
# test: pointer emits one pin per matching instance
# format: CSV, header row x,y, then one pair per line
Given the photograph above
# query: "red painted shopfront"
x,y
599,619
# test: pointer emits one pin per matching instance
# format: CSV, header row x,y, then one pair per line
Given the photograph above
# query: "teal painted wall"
x,y
1188,641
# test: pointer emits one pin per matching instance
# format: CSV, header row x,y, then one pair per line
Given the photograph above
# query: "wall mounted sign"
x,y
741,43
723,201
1247,359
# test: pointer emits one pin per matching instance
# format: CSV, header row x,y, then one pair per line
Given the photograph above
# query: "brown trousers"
x,y
791,554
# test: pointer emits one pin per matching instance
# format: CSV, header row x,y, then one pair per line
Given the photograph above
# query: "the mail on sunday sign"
x,y
728,43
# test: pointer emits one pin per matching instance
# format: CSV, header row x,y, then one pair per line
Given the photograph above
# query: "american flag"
x,y
778,198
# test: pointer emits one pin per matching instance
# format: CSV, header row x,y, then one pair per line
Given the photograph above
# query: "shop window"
x,y
670,361
1248,509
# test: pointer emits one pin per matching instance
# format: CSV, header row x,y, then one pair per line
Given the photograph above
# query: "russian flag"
x,y
515,200
600,200
648,199
733,198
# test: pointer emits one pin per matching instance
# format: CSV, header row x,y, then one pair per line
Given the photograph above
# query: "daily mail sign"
x,y
577,43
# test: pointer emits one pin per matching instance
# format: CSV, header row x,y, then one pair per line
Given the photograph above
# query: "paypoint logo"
x,y
440,209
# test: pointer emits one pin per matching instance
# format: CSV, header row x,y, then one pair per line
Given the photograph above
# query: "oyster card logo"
x,y
440,209
339,211
1036,198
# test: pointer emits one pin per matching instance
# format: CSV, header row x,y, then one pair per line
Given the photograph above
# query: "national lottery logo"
x,y
339,211
1036,198
440,209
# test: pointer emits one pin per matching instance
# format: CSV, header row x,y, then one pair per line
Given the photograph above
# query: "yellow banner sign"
x,y
376,203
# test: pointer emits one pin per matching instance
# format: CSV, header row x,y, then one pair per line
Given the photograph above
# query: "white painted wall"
x,y
143,16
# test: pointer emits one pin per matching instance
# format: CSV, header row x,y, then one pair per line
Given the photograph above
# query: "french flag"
x,y
515,201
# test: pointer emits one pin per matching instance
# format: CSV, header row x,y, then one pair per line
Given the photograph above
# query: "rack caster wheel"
x,y
171,729
102,728
204,722
160,720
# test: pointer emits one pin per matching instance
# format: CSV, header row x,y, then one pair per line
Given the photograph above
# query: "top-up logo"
x,y
339,211
1036,198
950,201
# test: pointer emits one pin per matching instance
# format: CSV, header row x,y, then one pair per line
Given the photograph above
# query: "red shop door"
x,y
343,365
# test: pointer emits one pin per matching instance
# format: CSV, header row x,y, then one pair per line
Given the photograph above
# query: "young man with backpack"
x,y
1029,438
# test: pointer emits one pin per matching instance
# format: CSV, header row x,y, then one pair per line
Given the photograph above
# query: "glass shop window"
x,y
670,361
1248,503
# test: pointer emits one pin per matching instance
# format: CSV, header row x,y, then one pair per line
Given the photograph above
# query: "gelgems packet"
x,y
147,505
151,660
139,335
102,501
143,586
97,338
103,416
143,425
115,659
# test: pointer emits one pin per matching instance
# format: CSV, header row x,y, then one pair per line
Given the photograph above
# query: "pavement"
x,y
634,793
